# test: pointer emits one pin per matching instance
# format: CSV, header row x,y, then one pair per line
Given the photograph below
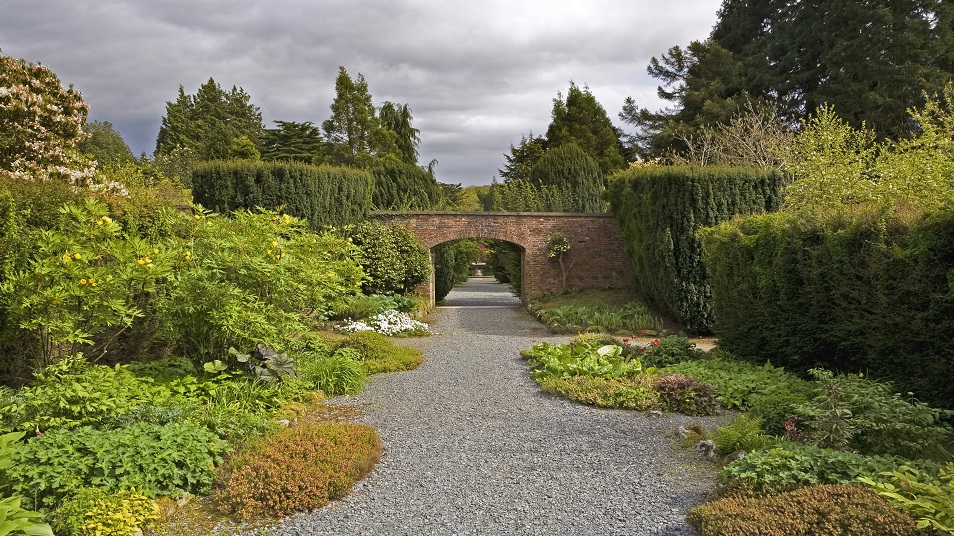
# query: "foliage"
x,y
569,170
379,354
207,123
743,434
85,284
631,317
157,459
393,259
293,141
339,373
522,158
505,262
668,351
836,510
354,131
579,119
929,499
397,118
403,186
445,269
793,464
682,394
40,125
73,393
805,291
627,392
867,416
558,247
253,278
265,363
104,145
94,512
764,391
581,358
659,209
15,520
297,469
525,195
323,195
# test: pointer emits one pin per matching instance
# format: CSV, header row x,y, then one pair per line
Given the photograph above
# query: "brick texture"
x,y
596,248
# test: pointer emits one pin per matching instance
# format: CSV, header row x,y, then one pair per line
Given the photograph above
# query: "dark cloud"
x,y
477,75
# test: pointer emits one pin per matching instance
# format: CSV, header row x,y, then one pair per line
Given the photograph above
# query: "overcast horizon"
x,y
476,76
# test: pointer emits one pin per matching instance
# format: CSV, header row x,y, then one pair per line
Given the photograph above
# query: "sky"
x,y
477,75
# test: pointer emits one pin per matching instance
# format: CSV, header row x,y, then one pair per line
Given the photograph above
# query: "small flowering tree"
x,y
558,246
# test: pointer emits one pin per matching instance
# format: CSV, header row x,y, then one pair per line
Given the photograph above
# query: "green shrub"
x,y
660,208
14,519
336,374
851,289
792,465
158,459
669,351
393,259
929,499
867,416
297,469
743,434
682,394
628,392
764,391
580,358
323,195
632,317
833,510
73,393
95,512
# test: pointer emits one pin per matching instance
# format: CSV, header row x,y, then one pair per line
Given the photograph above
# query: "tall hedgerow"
x,y
323,195
660,208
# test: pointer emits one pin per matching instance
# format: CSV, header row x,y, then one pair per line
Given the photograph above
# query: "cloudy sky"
x,y
477,75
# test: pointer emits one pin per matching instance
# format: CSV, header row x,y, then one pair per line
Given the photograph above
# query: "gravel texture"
x,y
472,446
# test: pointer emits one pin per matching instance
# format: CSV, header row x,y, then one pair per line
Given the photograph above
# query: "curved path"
x,y
472,446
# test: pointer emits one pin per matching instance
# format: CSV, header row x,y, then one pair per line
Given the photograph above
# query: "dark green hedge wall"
x,y
660,208
324,195
855,290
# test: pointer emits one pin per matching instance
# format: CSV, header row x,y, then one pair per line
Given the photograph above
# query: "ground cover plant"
x,y
596,311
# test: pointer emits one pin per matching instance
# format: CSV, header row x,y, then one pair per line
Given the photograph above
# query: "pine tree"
x,y
582,120
522,158
292,141
354,129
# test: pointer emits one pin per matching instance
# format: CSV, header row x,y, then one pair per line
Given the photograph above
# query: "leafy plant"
x,y
297,469
686,395
581,359
95,512
743,434
668,351
336,374
929,499
378,354
15,520
265,363
627,392
836,510
157,459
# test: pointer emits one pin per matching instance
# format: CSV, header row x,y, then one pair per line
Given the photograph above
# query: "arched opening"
x,y
453,261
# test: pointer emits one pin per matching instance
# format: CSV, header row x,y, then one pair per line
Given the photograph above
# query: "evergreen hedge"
x,y
660,208
863,290
324,195
402,186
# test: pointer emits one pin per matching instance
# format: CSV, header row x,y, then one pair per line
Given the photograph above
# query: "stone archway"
x,y
596,248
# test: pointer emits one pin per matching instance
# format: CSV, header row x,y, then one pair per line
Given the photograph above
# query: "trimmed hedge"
x,y
857,290
660,208
324,195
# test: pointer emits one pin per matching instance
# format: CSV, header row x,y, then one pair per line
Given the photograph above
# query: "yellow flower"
x,y
155,250
82,281
331,274
57,301
66,258
107,219
150,266
208,223
140,262
268,251
77,256
92,283
274,243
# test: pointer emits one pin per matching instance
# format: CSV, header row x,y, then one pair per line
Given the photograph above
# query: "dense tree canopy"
x,y
354,129
292,141
580,119
104,145
568,168
397,119
208,122
869,61
522,158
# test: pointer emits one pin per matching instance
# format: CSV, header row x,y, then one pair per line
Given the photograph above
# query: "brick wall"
x,y
596,249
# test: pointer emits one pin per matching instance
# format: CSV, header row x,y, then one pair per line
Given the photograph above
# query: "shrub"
x,y
393,258
297,469
14,519
580,358
660,208
632,317
157,459
632,392
323,195
806,291
669,351
95,512
336,374
689,396
391,322
791,465
847,510
929,499
765,391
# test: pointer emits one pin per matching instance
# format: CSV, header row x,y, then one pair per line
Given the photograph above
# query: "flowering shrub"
x,y
297,469
666,351
388,323
682,394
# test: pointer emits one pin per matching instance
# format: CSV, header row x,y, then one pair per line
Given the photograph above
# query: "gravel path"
x,y
472,446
